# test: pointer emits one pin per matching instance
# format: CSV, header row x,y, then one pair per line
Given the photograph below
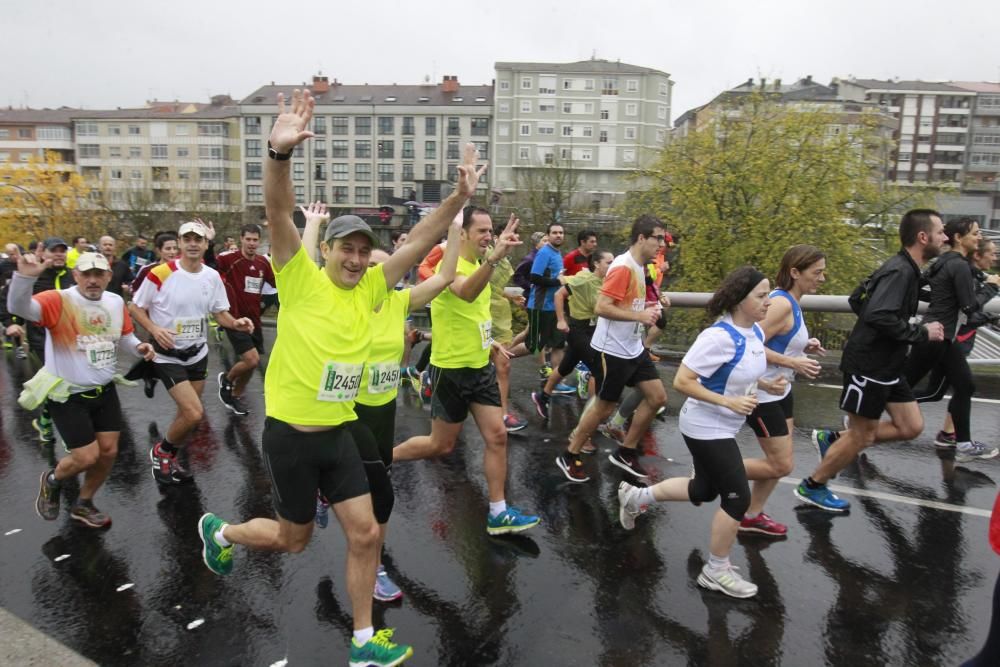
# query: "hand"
x,y
164,337
813,346
289,128
935,331
468,175
562,326
649,316
146,351
775,387
806,367
29,266
209,228
501,350
518,300
562,278
993,279
508,239
315,212
741,405
664,267
664,300
14,331
244,324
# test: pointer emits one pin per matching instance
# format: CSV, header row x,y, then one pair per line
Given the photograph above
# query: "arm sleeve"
x,y
616,283
19,301
965,288
882,313
128,342
220,301
709,352
143,296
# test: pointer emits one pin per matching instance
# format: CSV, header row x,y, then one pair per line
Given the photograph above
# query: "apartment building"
x,y
982,164
374,144
601,119
27,134
167,156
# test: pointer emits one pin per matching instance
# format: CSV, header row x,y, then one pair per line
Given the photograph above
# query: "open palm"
x,y
289,128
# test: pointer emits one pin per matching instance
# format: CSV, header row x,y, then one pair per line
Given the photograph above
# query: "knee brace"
x,y
383,497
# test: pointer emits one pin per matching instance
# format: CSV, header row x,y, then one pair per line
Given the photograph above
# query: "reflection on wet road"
x,y
891,583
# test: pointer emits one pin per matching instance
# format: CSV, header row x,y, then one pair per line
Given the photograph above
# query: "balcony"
x,y
949,147
981,186
988,111
958,111
952,128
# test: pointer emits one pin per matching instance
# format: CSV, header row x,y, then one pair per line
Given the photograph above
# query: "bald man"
x,y
121,275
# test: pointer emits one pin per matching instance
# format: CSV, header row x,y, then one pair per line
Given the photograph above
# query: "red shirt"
x,y
574,262
244,278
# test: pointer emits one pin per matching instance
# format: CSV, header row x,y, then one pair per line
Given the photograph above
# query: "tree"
x,y
545,192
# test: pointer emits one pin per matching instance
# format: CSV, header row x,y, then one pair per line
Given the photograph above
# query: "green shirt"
x,y
380,382
500,304
583,290
324,335
462,331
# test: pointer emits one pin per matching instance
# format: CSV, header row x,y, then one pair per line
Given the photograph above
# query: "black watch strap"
x,y
275,155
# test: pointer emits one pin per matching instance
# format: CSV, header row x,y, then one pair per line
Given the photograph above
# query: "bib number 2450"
x,y
340,382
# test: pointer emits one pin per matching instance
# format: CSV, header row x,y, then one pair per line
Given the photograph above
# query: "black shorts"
x,y
82,416
453,390
770,420
300,463
577,347
718,471
381,421
244,342
174,374
612,374
542,331
867,398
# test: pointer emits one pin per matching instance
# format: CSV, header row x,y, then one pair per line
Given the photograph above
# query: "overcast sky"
x,y
111,53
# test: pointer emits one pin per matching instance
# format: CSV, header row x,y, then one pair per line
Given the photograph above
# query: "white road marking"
x,y
59,558
12,532
892,497
124,587
280,663
195,623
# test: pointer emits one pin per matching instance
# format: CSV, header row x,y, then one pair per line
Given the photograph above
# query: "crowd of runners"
x,y
343,343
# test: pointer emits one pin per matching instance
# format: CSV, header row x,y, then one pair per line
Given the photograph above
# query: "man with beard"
x,y
545,279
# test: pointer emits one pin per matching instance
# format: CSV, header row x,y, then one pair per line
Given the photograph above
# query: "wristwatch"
x,y
275,155
493,264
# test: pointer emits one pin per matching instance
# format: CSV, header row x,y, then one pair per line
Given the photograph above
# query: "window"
x,y
362,148
339,125
135,175
526,83
340,148
213,130
905,157
430,125
453,153
116,174
628,155
604,114
523,153
298,171
526,106
184,151
114,130
340,171
182,130
386,125
503,129
254,171
985,139
567,84
114,151
363,125
480,127
255,194
300,193
567,107
207,152
632,86
134,130
319,124
24,133
407,171
453,172
183,174
135,151
567,130
408,125
631,109
588,84
86,129
386,172
546,107
609,86
339,194
362,172
505,85
565,154
586,154
660,136
319,193
159,151
989,102
603,137
453,126
661,112
664,89
504,107
407,149
386,149
210,174
991,159
525,129
362,195
588,131
546,129
117,197
319,171
253,148
4,134
90,150
430,172
430,150
630,132
251,125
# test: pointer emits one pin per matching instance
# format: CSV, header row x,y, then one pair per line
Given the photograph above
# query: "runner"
x,y
171,305
505,348
787,343
579,259
121,276
620,360
85,328
545,279
462,376
245,274
874,357
316,367
720,375
139,255
167,249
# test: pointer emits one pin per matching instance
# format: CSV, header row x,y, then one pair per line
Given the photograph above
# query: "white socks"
x,y
499,507
362,636
717,563
220,540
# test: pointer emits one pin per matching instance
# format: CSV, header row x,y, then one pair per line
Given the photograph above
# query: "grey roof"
x,y
802,89
165,110
62,116
594,66
405,95
930,86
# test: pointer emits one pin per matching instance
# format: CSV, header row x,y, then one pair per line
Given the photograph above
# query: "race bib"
x,y
383,378
638,305
486,334
101,354
141,262
252,285
189,330
340,382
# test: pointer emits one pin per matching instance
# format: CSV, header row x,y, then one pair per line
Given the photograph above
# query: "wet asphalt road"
x,y
890,583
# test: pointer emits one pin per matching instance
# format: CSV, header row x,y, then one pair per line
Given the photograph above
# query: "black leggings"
x,y
376,468
719,471
425,358
990,653
577,349
949,358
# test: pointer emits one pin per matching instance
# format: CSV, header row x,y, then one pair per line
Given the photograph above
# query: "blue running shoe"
x,y
510,521
564,390
821,497
822,439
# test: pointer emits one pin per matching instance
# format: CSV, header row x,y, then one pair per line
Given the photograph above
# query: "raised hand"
x,y
209,228
29,266
289,129
316,211
468,175
508,238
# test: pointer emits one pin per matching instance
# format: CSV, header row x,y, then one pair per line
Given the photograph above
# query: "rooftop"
x,y
929,86
593,66
430,94
61,116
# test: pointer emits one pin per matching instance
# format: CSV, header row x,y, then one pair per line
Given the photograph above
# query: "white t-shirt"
x,y
792,344
179,300
711,358
625,283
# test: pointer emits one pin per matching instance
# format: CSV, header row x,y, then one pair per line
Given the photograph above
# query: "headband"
x,y
755,278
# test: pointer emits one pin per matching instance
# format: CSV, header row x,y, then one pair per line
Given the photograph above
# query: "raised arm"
x,y
315,215
279,198
468,288
428,231
423,293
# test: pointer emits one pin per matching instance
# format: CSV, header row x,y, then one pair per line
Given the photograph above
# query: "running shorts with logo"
x,y
868,398
612,374
770,420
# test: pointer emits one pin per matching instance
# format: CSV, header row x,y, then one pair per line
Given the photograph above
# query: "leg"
x,y
270,535
362,533
489,419
594,413
654,397
905,422
502,364
851,442
242,370
440,442
96,474
189,410
776,464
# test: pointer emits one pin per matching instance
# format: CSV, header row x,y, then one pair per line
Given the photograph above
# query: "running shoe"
x,y
47,502
545,371
426,391
628,505
588,447
944,439
572,468
149,386
166,468
20,353
322,518
511,520
726,581
378,651
609,431
89,515
974,450
764,525
563,389
541,401
386,589
513,423
821,440
821,497
628,460
583,385
233,403
218,559
44,429
413,376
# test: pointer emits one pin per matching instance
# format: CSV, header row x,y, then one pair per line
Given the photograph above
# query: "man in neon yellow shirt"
x,y
462,376
324,337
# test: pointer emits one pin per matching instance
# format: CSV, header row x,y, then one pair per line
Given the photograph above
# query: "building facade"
x,y
601,119
28,134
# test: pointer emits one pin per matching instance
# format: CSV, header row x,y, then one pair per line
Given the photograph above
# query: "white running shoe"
x,y
629,507
726,581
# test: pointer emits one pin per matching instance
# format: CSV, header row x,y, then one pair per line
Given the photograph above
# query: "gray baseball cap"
x,y
346,225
